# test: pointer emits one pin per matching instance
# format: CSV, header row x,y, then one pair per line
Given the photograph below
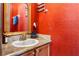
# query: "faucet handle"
x,y
20,37
24,36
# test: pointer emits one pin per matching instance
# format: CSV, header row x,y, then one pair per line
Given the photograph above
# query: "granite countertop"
x,y
9,50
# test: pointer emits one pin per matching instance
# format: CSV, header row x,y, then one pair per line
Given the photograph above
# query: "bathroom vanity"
x,y
16,24
41,49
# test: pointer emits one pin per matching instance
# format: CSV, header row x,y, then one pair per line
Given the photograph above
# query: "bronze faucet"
x,y
23,37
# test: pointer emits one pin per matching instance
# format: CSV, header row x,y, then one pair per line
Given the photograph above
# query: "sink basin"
x,y
25,43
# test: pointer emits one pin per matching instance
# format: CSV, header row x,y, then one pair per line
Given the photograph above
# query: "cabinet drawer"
x,y
43,50
30,53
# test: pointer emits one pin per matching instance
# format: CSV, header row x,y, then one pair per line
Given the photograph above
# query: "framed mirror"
x,y
17,18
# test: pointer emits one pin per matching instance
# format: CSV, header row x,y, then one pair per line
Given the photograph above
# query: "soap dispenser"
x,y
34,32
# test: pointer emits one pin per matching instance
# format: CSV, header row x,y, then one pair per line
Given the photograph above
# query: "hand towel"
x,y
15,20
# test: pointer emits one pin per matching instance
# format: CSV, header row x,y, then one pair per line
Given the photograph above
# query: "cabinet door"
x,y
30,53
43,51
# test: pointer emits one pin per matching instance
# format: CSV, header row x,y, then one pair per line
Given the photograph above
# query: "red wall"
x,y
18,9
33,14
62,23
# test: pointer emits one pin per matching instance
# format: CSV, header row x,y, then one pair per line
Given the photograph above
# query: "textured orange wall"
x,y
33,14
62,23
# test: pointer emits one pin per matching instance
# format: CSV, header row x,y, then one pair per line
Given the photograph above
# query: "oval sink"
x,y
25,43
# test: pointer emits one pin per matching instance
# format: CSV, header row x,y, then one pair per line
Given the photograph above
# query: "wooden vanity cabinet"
x,y
40,51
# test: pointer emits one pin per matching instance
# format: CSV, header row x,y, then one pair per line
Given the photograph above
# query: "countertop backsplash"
x,y
10,39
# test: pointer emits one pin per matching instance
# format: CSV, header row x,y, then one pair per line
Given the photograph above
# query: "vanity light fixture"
x,y
41,7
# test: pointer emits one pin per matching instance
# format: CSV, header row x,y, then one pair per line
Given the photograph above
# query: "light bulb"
x,y
46,10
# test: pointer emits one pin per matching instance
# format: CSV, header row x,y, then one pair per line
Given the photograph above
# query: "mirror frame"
x,y
6,31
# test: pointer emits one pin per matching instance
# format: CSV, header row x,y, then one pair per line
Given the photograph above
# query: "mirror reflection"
x,y
16,17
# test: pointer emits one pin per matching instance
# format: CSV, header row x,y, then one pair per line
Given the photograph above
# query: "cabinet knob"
x,y
37,50
33,53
